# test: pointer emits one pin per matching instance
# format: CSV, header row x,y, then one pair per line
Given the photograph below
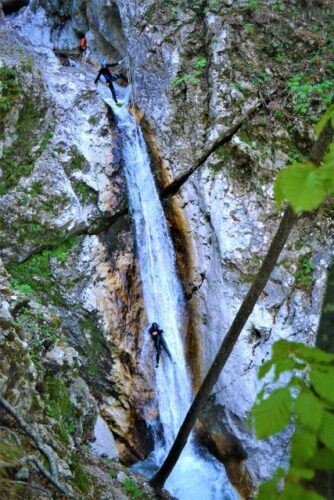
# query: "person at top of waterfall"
x,y
110,78
83,45
159,342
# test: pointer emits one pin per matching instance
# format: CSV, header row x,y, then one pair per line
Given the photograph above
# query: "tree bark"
x,y
289,217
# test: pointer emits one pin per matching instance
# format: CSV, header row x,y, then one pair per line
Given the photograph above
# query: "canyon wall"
x,y
211,84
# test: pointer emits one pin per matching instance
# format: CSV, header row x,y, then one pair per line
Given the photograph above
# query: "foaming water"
x,y
197,475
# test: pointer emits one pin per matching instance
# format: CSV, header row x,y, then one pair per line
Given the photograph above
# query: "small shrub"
x,y
59,406
84,192
80,475
304,89
35,272
10,89
304,273
132,489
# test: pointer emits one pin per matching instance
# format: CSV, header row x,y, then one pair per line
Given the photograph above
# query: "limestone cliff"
x,y
216,89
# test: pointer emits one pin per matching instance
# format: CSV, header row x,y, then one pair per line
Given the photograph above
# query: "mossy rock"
x,y
35,274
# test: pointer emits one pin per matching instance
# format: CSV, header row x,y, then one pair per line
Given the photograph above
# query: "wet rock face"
x,y
210,81
64,240
99,20
212,432
213,86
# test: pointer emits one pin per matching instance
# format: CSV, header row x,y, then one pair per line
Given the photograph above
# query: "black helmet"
x,y
155,326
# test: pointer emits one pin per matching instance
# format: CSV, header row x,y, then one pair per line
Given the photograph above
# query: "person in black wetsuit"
x,y
110,77
159,342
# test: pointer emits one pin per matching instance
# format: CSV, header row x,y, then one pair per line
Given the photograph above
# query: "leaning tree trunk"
x,y
158,480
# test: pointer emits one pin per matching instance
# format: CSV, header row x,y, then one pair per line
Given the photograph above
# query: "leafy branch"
x,y
307,401
305,185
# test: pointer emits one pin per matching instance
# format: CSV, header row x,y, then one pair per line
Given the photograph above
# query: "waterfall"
x,y
196,476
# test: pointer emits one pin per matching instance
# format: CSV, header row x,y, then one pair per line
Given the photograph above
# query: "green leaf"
x,y
301,185
326,434
324,119
303,473
272,414
194,80
268,490
293,491
323,459
311,354
281,349
323,383
309,410
265,368
297,382
287,364
303,447
326,171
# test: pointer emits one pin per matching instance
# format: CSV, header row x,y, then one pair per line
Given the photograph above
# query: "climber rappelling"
x,y
159,342
110,78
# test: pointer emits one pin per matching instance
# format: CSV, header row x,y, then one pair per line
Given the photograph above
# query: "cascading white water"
x,y
195,476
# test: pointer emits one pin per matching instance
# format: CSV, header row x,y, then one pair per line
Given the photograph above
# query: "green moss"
x,y
223,155
94,350
84,192
304,273
80,475
93,120
10,450
59,406
35,273
247,278
18,159
10,89
36,189
150,11
43,332
77,161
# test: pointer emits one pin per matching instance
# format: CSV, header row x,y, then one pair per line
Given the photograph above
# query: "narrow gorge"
x,y
158,210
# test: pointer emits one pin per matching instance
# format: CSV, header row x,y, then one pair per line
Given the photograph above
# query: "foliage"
x,y
132,489
303,184
303,91
197,72
307,401
43,331
10,89
80,475
59,406
94,349
35,275
84,192
19,158
77,161
304,273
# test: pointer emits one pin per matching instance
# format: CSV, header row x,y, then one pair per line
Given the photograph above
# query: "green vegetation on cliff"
x,y
34,275
31,135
